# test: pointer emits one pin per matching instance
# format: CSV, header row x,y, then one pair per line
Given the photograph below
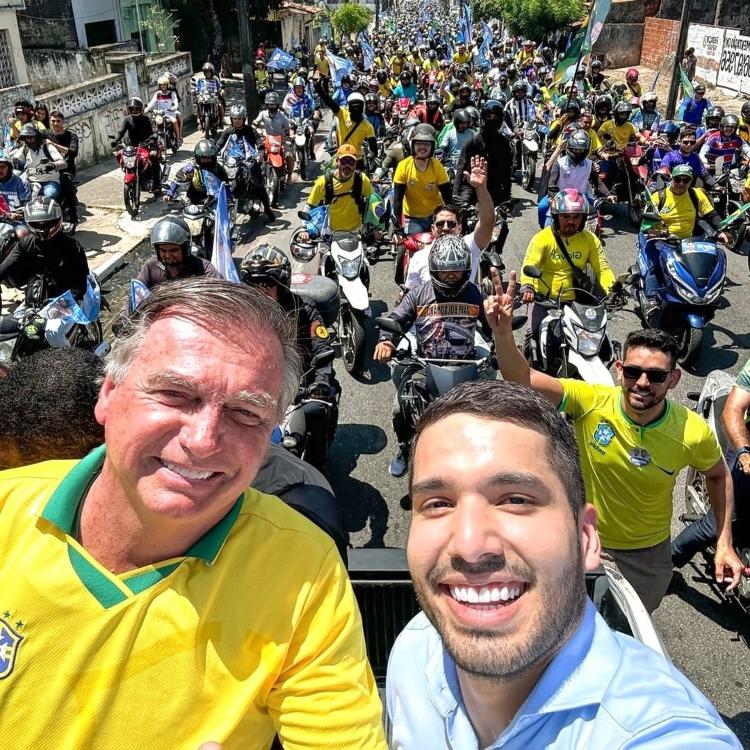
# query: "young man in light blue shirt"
x,y
509,652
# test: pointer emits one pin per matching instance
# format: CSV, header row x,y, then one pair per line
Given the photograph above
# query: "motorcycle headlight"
x,y
159,119
588,343
129,161
349,268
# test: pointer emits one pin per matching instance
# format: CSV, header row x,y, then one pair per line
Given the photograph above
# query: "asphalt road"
x,y
702,635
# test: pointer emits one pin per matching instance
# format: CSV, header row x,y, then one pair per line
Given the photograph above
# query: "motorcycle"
x,y
201,220
273,165
633,175
208,113
61,322
529,154
726,203
573,340
710,404
299,436
693,272
135,162
302,133
412,243
164,133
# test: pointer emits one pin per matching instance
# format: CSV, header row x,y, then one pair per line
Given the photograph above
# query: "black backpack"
x,y
355,192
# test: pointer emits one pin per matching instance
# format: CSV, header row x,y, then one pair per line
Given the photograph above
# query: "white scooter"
x,y
573,339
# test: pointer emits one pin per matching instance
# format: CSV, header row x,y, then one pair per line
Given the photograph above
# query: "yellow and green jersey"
x,y
254,631
630,470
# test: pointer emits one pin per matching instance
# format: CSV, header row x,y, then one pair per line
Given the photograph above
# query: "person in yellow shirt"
x,y
631,81
352,126
586,122
744,127
420,184
149,568
397,64
633,443
615,134
461,56
321,63
562,253
525,55
345,192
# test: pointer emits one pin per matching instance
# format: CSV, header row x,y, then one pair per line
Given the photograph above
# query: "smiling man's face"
x,y
188,427
495,553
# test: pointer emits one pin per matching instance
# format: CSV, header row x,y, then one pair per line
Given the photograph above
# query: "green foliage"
x,y
161,24
531,18
351,19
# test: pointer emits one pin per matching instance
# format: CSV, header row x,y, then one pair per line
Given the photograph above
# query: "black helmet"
x,y
43,217
492,111
596,65
464,88
272,99
473,113
205,153
434,99
603,102
461,115
699,89
449,253
670,129
237,112
519,87
207,67
622,111
713,116
745,111
346,78
405,76
382,76
578,146
264,265
171,230
135,105
573,107
372,99
28,131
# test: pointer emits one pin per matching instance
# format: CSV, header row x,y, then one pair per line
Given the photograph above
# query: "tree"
x,y
161,24
531,18
351,18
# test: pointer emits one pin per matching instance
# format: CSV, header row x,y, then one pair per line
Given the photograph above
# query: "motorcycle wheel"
x,y
273,187
690,341
352,336
529,171
302,161
132,198
635,210
207,124
695,492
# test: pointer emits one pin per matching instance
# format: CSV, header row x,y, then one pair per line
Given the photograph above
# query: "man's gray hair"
x,y
216,304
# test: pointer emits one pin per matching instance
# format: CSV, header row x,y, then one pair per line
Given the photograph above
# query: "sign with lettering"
x,y
734,64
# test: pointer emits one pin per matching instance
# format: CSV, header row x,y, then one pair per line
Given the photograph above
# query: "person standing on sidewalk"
x,y
66,142
633,442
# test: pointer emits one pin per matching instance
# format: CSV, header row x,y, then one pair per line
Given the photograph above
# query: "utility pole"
x,y
679,52
246,54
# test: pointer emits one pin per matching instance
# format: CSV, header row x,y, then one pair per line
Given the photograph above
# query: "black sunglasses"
x,y
630,372
682,179
688,143
447,223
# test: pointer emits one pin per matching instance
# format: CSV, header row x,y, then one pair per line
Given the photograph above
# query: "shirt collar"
x,y
63,504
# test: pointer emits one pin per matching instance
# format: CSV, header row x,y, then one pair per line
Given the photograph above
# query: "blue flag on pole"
x,y
487,32
460,39
221,257
368,54
211,182
340,67
137,293
449,48
281,60
468,22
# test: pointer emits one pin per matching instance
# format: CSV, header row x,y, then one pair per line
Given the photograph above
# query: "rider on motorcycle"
x,y
725,149
685,154
519,110
679,208
573,168
205,159
602,110
43,161
562,252
342,92
140,132
597,79
47,252
164,101
170,239
407,87
240,130
446,311
631,80
373,114
616,134
711,125
274,122
12,188
693,109
266,268
420,184
299,103
647,117
456,138
211,84
430,113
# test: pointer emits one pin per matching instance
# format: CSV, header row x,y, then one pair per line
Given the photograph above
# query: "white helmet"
x,y
163,80
355,97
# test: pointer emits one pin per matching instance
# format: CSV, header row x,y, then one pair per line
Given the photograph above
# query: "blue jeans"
x,y
701,534
651,281
50,190
413,225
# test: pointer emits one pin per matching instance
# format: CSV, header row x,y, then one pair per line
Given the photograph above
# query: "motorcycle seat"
x,y
321,291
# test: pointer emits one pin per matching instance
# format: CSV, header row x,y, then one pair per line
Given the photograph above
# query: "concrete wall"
x,y
38,30
734,14
9,22
92,11
660,36
620,40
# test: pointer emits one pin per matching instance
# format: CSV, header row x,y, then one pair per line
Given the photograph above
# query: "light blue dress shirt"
x,y
602,691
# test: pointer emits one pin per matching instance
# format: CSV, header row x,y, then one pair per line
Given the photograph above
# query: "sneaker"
x,y
397,467
651,311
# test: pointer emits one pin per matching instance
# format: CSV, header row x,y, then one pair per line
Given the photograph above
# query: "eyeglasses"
x,y
347,162
682,179
630,372
447,223
688,143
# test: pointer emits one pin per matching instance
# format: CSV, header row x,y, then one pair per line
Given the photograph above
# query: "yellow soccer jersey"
x,y
629,470
678,212
422,194
255,631
351,132
620,134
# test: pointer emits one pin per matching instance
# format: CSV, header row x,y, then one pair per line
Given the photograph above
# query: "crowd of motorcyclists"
x,y
427,135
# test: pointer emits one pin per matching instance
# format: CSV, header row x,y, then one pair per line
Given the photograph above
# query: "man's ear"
x,y
590,544
104,400
674,377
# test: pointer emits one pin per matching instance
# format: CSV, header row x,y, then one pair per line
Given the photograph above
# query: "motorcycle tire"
x,y
274,187
132,198
207,129
302,161
352,336
87,336
529,172
690,340
695,492
635,210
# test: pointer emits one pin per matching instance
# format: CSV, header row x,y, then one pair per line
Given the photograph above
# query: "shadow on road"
x,y
739,723
359,500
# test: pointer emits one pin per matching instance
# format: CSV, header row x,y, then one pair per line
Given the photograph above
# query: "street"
x,y
700,634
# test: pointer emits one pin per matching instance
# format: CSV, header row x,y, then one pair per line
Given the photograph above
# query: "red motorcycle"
x,y
137,164
632,177
411,244
273,165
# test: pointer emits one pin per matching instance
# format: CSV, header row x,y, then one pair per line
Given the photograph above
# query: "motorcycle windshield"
x,y
700,264
590,318
347,241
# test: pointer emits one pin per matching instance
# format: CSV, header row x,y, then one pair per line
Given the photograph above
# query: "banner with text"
x,y
734,65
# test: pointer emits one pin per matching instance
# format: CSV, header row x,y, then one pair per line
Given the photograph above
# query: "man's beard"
x,y
651,400
487,654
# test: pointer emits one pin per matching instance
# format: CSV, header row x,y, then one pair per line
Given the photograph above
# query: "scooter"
x,y
573,340
710,403
693,273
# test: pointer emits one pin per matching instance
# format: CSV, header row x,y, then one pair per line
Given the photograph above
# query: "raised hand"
x,y
498,307
477,178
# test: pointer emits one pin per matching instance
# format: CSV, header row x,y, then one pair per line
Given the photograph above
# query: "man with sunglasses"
x,y
685,153
633,442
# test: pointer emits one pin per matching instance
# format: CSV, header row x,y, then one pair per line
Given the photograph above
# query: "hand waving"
x,y
498,307
477,178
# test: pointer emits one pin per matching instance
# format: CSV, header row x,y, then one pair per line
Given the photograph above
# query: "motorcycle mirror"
x,y
693,395
322,358
389,324
533,271
304,215
519,321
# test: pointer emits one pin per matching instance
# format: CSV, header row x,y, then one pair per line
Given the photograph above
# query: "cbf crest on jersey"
x,y
9,642
603,434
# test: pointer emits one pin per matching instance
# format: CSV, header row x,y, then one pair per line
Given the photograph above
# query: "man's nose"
x,y
475,531
201,431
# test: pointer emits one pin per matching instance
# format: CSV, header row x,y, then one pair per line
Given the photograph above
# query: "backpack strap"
x,y
694,200
357,192
328,195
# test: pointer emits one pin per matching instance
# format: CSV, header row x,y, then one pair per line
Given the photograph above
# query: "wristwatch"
x,y
742,451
